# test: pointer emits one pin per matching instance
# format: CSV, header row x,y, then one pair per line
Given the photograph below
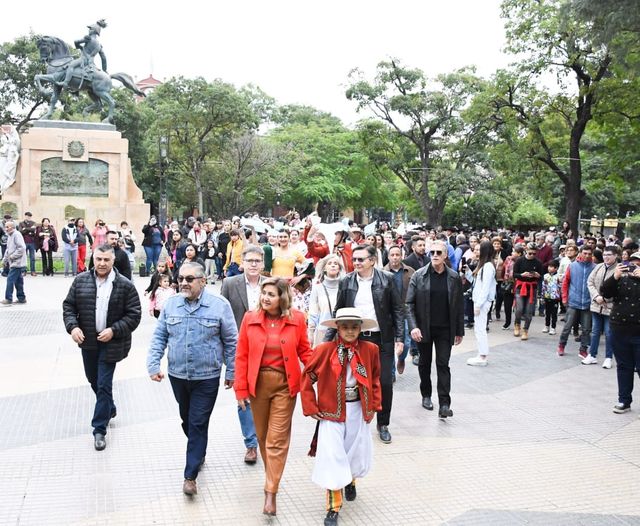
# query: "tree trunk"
x,y
573,186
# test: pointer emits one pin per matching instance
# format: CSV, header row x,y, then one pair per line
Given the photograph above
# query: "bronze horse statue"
x,y
55,53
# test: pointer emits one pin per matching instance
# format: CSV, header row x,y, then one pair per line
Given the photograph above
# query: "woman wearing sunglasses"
x,y
435,314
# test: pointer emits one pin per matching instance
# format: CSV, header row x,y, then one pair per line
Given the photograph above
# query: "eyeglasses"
x,y
188,279
435,252
359,260
253,261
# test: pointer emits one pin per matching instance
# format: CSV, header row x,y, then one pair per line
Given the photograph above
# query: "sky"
x,y
299,52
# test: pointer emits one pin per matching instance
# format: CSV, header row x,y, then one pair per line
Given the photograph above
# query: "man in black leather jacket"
x,y
435,315
375,294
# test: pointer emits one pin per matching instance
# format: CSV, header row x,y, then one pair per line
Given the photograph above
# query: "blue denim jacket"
x,y
201,336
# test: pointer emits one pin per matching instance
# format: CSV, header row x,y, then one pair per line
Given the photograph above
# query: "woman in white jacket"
x,y
484,292
324,294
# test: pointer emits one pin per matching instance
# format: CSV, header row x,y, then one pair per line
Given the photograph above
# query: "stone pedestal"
x,y
76,168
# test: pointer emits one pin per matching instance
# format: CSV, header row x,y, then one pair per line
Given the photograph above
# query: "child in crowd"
x,y
209,254
159,295
551,293
161,270
347,372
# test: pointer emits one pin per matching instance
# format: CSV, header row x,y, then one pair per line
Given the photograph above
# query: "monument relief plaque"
x,y
60,177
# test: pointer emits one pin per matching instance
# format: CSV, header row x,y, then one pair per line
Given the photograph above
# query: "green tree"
x,y
552,43
200,118
19,98
322,164
418,132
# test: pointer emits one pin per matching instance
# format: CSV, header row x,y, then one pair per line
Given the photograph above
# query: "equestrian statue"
x,y
64,71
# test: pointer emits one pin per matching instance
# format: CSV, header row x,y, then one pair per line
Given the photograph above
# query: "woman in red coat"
x,y
271,343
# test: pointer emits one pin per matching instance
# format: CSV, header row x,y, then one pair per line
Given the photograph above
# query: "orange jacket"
x,y
252,339
325,366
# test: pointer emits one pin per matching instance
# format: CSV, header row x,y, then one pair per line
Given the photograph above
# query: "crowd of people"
x,y
331,312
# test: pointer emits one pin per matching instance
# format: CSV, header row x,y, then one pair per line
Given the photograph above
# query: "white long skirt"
x,y
345,450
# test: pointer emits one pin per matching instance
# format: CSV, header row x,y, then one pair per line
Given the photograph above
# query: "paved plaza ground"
x,y
533,440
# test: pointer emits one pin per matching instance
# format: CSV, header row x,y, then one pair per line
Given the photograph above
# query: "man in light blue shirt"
x,y
199,330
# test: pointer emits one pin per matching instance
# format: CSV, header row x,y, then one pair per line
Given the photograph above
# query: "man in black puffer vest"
x,y
100,312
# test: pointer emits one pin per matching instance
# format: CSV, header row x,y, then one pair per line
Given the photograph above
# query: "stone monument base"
x,y
76,169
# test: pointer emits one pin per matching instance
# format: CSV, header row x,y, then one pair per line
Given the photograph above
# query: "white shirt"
x,y
103,293
364,301
253,293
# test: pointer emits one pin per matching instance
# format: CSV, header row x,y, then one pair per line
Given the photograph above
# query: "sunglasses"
x,y
531,253
188,279
359,260
436,252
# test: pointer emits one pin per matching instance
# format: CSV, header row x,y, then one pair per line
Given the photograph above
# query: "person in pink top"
x,y
99,234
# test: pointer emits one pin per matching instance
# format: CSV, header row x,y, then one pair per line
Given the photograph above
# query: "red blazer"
x,y
324,365
252,339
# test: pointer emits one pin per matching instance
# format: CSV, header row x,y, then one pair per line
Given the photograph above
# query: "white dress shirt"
x,y
103,293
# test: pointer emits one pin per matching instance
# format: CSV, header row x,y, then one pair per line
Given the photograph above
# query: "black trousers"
x,y
440,337
508,298
47,262
386,375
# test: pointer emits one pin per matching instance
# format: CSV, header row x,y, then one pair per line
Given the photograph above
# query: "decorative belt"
x,y
351,394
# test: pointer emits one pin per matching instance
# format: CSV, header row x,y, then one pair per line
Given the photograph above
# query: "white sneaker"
x,y
589,360
607,363
552,331
477,360
546,329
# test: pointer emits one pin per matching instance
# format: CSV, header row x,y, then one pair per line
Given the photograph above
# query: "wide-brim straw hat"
x,y
350,314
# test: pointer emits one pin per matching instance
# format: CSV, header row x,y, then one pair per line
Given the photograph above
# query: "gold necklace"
x,y
274,321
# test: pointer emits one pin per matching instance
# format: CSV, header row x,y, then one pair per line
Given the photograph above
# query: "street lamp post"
x,y
163,146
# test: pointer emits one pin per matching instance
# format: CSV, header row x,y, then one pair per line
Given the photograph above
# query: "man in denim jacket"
x,y
200,332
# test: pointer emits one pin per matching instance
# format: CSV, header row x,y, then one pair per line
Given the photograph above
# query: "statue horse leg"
x,y
96,105
54,94
101,88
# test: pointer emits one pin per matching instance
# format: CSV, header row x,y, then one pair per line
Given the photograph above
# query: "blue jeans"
x,y
31,252
15,279
100,376
599,325
584,315
247,426
153,255
219,265
233,270
626,349
196,399
408,342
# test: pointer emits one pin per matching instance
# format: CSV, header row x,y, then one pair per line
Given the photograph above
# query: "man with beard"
x,y
199,331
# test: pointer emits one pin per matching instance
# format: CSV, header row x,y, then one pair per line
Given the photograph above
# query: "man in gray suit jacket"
x,y
243,292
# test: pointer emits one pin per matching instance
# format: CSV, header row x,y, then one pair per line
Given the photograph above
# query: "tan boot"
x,y
516,330
525,335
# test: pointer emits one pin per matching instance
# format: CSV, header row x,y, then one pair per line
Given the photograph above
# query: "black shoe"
x,y
114,413
506,326
416,360
331,519
99,441
427,403
445,411
383,433
350,492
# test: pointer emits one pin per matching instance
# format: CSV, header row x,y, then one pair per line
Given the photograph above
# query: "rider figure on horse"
x,y
89,47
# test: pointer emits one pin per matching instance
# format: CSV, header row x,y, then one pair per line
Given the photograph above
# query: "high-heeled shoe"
x,y
269,503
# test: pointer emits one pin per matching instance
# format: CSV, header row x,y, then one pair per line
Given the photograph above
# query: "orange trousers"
x,y
272,410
